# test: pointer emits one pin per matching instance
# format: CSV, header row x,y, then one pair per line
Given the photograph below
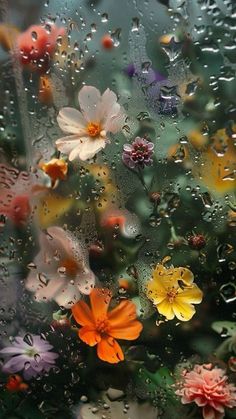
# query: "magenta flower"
x,y
30,354
208,387
138,154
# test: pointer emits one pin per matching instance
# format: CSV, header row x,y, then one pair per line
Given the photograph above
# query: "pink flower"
x,y
60,271
17,190
88,129
208,387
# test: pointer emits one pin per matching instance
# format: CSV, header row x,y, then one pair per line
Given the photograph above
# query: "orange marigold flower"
x,y
15,383
102,328
56,169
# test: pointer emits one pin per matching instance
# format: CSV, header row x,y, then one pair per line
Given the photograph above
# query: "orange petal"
x,y
128,331
123,313
110,351
89,335
82,314
100,299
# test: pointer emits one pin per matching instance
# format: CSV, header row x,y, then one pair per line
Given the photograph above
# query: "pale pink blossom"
x,y
88,129
60,270
208,387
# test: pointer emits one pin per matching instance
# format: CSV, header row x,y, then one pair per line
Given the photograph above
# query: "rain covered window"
x,y
117,209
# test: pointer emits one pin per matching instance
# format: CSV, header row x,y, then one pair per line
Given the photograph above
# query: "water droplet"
x,y
223,250
34,36
228,292
135,24
206,199
28,339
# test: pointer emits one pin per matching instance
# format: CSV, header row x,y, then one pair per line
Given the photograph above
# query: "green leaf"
x,y
224,328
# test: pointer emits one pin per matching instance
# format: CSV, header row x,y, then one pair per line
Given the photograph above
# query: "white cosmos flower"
x,y
60,270
88,129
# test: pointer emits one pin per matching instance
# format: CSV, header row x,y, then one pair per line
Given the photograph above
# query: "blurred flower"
x,y
102,328
56,169
127,223
17,190
173,292
217,167
15,383
197,241
107,41
60,271
51,207
138,154
100,114
30,354
208,387
37,44
45,90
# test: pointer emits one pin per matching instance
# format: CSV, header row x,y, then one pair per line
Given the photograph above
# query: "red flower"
x,y
15,383
37,45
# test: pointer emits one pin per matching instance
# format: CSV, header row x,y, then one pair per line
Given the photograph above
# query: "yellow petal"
x,y
166,309
183,274
182,310
192,294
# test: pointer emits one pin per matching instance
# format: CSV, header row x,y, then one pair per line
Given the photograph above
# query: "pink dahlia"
x,y
208,387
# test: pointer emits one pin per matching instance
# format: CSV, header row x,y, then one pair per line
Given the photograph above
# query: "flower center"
x,y
102,325
31,352
171,294
140,152
93,129
70,266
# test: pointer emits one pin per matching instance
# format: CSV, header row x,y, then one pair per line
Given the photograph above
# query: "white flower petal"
x,y
72,121
115,121
68,296
89,100
66,144
87,149
48,292
108,101
85,281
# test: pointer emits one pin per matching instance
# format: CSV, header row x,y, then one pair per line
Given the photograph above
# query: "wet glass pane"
x,y
117,209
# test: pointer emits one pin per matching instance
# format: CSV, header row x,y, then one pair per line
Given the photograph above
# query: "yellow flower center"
x,y
70,265
171,294
93,129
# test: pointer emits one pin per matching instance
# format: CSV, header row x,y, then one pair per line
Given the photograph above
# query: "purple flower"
x,y
138,154
30,354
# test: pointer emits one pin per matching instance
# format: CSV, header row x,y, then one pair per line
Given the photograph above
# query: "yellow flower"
x,y
218,161
173,292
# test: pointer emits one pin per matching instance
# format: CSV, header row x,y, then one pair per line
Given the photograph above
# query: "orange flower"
x,y
102,328
15,383
56,169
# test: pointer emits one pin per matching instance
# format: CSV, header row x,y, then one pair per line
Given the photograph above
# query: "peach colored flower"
x,y
102,328
60,271
208,387
88,129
